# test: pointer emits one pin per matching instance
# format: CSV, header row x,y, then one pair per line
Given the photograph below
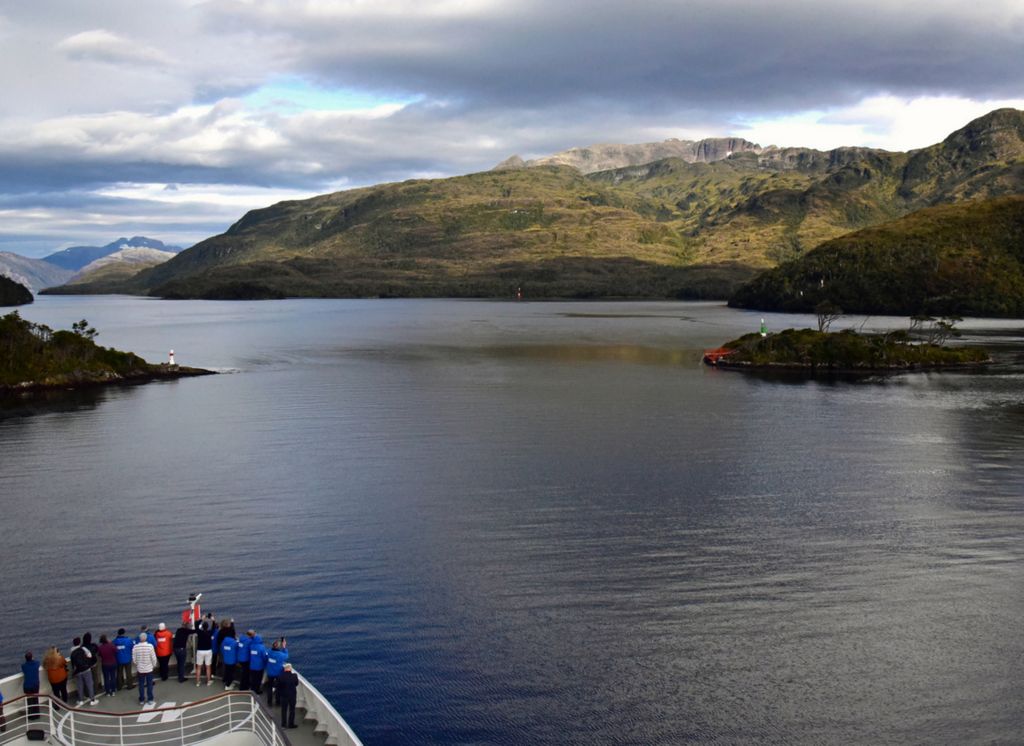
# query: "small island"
x,y
34,357
922,347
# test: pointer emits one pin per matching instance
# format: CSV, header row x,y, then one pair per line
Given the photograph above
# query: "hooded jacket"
x,y
257,654
276,658
124,647
81,660
243,648
229,651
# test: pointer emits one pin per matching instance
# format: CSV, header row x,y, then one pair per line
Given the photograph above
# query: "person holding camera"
x,y
277,656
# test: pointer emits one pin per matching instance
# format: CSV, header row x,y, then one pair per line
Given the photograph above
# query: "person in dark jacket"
x,y
95,650
288,691
30,684
82,661
181,636
204,651
124,645
276,658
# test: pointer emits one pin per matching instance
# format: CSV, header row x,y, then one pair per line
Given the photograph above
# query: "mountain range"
x,y
73,263
77,257
700,223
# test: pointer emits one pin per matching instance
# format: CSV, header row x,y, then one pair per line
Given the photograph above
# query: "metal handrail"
x,y
179,725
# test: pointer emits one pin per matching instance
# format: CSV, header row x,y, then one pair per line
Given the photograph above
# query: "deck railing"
x,y
180,725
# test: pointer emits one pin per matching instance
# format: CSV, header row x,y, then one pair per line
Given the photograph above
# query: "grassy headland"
x,y
33,356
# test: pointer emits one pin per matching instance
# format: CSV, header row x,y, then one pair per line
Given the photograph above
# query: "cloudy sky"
x,y
170,119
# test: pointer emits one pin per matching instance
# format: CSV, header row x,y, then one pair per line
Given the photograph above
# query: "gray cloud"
x,y
122,92
661,53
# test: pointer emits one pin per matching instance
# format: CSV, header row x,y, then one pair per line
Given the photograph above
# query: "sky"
x,y
172,118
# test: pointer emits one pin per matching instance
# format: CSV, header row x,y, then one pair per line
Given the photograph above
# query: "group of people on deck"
x,y
244,661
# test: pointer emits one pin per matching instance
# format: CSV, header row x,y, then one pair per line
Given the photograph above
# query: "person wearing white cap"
x,y
164,649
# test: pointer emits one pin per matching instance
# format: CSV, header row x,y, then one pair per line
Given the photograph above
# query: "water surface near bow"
x,y
542,523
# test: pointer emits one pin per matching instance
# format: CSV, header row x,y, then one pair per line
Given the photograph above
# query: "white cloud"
x,y
887,122
100,45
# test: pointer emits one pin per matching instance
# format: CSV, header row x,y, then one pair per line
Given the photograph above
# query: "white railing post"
x,y
181,721
120,730
252,718
73,726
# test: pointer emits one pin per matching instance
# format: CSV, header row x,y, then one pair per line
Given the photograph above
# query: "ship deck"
x,y
169,698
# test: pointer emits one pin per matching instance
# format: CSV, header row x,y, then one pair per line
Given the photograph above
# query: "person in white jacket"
x,y
144,658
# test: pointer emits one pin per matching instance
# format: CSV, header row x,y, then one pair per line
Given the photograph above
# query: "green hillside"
x,y
965,258
669,229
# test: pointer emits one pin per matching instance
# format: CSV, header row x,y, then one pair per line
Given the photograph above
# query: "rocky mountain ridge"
x,y
603,157
35,274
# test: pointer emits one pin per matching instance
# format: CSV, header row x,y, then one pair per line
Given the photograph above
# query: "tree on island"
x,y
936,331
827,312
82,329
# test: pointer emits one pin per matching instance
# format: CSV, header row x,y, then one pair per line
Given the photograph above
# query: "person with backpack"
x,y
95,650
82,661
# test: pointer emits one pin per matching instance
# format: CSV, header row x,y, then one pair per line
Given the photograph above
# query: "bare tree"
x,y
827,312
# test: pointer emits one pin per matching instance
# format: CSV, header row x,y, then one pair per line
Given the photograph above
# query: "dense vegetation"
x,y
34,355
965,259
665,229
845,351
13,293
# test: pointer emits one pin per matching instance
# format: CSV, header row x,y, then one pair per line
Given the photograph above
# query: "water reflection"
x,y
541,524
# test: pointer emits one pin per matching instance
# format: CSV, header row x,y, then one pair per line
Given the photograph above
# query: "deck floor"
x,y
171,693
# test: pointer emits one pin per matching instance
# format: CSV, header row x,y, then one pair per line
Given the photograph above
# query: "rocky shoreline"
x,y
842,353
84,380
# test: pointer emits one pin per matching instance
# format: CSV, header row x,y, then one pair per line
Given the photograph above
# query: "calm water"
x,y
539,523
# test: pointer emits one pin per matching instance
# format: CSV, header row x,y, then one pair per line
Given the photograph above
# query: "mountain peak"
x,y
608,156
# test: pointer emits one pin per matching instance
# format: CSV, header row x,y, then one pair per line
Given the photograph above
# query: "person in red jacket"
x,y
164,649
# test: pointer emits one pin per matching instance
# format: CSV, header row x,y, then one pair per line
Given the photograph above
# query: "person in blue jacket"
x,y
257,662
276,658
243,659
30,672
124,645
229,655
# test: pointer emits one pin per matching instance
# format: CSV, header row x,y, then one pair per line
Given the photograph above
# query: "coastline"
x,y
162,372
